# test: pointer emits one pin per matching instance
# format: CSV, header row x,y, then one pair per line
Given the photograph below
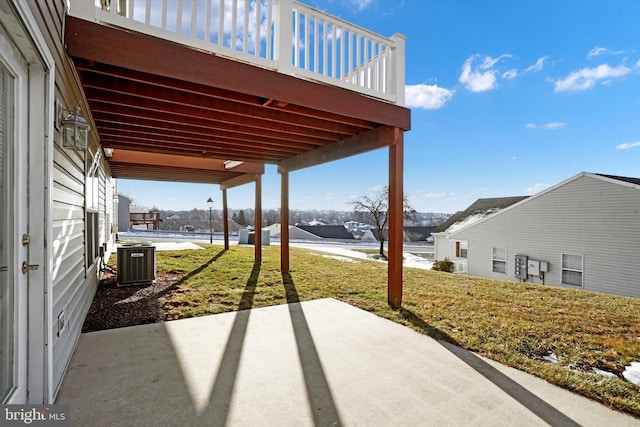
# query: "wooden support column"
x,y
258,220
396,220
284,223
225,219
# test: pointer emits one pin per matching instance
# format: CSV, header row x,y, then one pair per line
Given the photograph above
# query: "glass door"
x,y
6,238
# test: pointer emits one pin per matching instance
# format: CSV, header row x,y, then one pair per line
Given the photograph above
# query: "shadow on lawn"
x,y
542,409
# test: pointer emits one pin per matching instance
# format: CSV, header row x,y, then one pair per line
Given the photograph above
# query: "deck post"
x,y
284,222
258,220
396,219
283,36
225,219
398,64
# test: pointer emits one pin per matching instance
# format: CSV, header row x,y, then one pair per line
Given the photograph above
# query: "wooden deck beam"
x,y
358,144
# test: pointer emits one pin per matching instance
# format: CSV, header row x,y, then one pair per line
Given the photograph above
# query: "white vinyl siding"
x,y
588,215
572,270
499,260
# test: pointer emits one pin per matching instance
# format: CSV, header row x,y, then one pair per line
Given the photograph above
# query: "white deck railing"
x,y
282,35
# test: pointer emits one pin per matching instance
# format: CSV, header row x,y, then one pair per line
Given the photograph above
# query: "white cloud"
x,y
428,97
628,145
432,195
553,125
510,74
536,188
537,66
483,77
597,51
547,126
586,78
360,5
514,157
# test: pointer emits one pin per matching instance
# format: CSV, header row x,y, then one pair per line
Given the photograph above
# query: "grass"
x,y
513,323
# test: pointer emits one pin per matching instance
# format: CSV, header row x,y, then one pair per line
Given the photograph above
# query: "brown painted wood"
x,y
170,160
145,94
258,220
135,76
284,222
238,180
396,220
358,144
225,219
149,54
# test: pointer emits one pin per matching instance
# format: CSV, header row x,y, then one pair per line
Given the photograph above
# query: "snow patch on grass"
x,y
341,258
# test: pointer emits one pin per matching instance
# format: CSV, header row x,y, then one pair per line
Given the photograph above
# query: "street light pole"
x,y
210,203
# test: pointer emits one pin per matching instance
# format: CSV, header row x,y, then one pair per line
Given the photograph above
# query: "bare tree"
x,y
376,209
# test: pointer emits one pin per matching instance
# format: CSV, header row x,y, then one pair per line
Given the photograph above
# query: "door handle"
x,y
26,267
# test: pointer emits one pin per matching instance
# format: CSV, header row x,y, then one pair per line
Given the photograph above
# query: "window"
x,y
92,205
499,260
461,249
572,269
7,326
92,238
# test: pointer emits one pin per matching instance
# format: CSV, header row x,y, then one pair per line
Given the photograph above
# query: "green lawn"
x,y
513,323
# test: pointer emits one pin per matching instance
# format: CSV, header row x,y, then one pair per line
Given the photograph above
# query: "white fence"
x,y
282,35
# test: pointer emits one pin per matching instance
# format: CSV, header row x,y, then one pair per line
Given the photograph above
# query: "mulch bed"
x,y
116,306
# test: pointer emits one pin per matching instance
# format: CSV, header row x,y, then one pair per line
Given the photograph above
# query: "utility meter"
x,y
521,267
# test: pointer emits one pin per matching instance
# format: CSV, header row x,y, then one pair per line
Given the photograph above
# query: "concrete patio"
x,y
321,363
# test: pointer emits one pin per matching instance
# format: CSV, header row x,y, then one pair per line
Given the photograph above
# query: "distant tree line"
x,y
240,218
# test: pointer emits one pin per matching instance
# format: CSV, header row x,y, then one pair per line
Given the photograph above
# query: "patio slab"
x,y
322,363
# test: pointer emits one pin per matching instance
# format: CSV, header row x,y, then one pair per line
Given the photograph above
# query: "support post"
x,y
396,219
225,219
284,222
258,220
283,36
398,64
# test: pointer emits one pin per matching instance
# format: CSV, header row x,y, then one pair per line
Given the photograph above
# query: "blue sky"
x,y
507,98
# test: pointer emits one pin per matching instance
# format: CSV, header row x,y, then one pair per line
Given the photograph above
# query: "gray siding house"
x,y
56,204
446,246
586,228
67,133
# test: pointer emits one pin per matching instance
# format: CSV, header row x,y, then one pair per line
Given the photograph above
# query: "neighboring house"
x,y
455,249
417,233
586,228
335,232
124,208
145,220
275,230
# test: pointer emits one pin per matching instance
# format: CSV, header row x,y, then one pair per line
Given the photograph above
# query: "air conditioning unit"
x,y
136,264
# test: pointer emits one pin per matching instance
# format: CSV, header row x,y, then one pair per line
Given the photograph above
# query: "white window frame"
x,y
494,260
461,248
574,270
92,208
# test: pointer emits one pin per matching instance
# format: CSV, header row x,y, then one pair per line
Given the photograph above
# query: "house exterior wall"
x,y
588,216
441,246
73,274
123,213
